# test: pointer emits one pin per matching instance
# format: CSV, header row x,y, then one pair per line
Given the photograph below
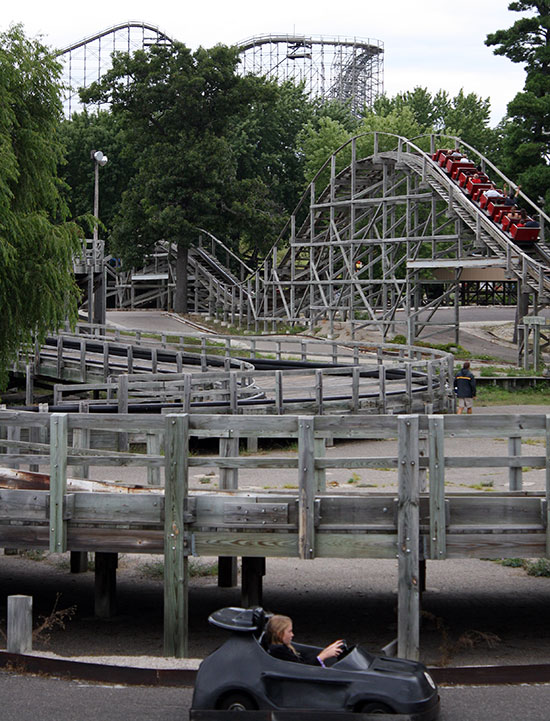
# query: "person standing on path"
x,y
465,388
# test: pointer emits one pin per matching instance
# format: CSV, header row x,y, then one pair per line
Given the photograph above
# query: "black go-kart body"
x,y
241,675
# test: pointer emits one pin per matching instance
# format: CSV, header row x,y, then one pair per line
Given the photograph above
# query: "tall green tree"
x,y
466,114
82,134
179,110
525,142
37,287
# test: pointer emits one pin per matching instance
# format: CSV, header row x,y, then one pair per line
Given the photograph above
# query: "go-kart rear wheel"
x,y
374,707
237,702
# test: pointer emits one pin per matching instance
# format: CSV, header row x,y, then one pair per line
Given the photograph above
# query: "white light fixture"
x,y
100,158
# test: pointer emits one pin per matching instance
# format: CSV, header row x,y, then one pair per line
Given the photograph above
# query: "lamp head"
x,y
99,158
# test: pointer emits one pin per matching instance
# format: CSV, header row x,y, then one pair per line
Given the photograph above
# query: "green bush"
x,y
540,567
512,562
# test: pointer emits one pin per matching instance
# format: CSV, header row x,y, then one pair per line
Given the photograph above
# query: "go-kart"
x,y
241,675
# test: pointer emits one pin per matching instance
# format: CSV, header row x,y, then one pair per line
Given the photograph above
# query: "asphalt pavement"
x,y
30,698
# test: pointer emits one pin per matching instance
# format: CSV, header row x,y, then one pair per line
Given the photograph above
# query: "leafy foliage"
x,y
409,114
37,288
525,145
80,135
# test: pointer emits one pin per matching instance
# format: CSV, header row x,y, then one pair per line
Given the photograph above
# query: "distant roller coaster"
x,y
341,68
333,68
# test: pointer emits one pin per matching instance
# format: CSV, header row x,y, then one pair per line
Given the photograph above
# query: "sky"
x,y
430,43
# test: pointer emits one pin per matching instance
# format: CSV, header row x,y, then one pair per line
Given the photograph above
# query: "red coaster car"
x,y
497,209
521,234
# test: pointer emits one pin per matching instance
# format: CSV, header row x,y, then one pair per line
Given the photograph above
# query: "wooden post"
x,y
229,479
152,441
307,479
58,481
422,470
105,584
319,444
29,384
515,472
81,439
438,540
408,621
79,561
253,570
176,442
19,638
13,434
122,399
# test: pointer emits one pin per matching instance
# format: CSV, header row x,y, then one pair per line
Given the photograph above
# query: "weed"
x,y
153,569
56,619
195,569
32,554
512,562
354,478
290,485
469,639
205,479
540,567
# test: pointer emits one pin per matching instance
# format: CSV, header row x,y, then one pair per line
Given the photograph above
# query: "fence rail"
x,y
421,520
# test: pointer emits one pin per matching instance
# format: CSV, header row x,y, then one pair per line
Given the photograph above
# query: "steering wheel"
x,y
345,650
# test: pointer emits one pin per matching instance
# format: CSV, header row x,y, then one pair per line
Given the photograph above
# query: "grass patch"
x,y
32,554
494,396
196,569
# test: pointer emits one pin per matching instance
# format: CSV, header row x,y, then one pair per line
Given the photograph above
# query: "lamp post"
x,y
99,159
96,303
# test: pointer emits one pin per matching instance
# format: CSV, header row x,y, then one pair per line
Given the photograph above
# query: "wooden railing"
x,y
419,520
243,373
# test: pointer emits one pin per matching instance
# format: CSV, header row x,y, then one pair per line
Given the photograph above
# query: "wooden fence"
x,y
419,521
241,374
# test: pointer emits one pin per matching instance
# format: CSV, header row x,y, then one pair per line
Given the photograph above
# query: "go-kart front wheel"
x,y
374,707
237,702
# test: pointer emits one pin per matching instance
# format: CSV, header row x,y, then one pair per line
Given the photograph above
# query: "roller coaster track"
x,y
363,249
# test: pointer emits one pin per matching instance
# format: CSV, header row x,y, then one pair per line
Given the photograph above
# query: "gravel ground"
x,y
475,612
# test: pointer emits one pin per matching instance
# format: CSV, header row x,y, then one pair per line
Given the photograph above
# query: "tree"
x,y
408,114
465,115
525,145
179,110
80,135
37,287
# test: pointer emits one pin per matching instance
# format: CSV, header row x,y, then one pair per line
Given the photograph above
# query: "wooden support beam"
x,y
229,479
438,549
252,573
307,482
408,621
79,561
58,481
515,472
227,571
105,584
176,441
